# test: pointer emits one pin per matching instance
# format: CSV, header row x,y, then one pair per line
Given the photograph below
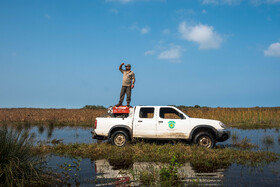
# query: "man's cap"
x,y
128,65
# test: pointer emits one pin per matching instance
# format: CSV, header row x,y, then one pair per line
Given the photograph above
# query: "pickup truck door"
x,y
145,123
172,123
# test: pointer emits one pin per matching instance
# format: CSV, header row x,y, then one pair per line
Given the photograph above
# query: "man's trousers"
x,y
125,90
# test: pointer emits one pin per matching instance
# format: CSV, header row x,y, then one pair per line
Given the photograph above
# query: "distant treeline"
x,y
94,107
178,106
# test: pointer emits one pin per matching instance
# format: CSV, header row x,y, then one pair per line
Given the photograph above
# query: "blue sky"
x,y
65,54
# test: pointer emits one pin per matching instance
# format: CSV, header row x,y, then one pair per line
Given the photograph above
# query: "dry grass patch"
x,y
244,118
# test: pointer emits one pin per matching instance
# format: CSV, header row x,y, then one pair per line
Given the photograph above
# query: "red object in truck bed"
x,y
120,110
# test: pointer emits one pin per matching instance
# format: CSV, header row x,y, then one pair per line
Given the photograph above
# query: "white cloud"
x,y
145,30
259,2
273,50
237,2
273,1
47,16
166,31
185,11
221,2
120,1
203,35
134,27
256,2
115,11
173,53
130,1
268,18
169,52
206,2
149,52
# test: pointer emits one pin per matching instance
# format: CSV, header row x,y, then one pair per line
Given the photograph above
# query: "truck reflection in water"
x,y
108,174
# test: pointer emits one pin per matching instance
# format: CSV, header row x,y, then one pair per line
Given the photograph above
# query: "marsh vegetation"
x,y
243,118
247,148
268,140
18,165
152,152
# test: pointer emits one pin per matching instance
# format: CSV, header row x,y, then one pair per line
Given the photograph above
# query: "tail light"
x,y
95,124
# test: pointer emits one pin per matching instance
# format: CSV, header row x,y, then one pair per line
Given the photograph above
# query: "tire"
x,y
205,139
119,138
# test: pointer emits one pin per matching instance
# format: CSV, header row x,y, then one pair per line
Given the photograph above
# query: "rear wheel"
x,y
204,139
119,138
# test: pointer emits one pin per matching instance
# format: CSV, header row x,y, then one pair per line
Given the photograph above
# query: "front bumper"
x,y
98,137
223,135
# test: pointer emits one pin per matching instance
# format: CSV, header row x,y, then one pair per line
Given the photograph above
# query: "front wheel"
x,y
119,138
205,139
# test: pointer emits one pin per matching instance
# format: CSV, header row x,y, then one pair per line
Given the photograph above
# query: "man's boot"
x,y
119,104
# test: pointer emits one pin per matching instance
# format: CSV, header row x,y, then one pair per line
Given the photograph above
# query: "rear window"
x,y
147,112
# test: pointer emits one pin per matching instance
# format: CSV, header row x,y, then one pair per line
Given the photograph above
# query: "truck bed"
x,y
103,124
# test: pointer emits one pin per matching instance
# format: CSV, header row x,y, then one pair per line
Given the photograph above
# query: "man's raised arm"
x,y
120,68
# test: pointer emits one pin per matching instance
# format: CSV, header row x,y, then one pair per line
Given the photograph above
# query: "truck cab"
x,y
160,123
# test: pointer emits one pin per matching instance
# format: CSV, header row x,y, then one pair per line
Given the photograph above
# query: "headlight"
x,y
222,125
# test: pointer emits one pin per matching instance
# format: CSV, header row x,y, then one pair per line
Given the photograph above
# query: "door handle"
x,y
140,121
160,121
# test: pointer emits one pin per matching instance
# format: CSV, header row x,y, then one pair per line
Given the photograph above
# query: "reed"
x,y
18,165
245,143
234,137
268,140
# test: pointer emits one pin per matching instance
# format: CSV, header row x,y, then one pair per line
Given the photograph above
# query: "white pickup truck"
x,y
162,123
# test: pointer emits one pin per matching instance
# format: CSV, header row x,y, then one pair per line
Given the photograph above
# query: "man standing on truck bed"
x,y
127,84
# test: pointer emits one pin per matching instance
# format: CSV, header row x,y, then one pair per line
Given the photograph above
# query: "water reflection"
x,y
49,133
186,172
101,172
258,138
50,130
41,129
114,172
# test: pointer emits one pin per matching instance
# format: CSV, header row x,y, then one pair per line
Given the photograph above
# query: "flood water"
x,y
100,172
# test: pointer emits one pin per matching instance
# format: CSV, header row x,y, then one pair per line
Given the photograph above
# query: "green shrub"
x,y
94,107
169,175
18,166
146,177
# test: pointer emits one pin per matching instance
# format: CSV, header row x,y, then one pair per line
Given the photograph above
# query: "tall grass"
x,y
56,117
18,166
246,118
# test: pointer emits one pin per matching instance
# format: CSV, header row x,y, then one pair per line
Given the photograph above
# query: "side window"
x,y
170,113
147,112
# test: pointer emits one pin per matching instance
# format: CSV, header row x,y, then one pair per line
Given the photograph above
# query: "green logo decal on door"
x,y
171,124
